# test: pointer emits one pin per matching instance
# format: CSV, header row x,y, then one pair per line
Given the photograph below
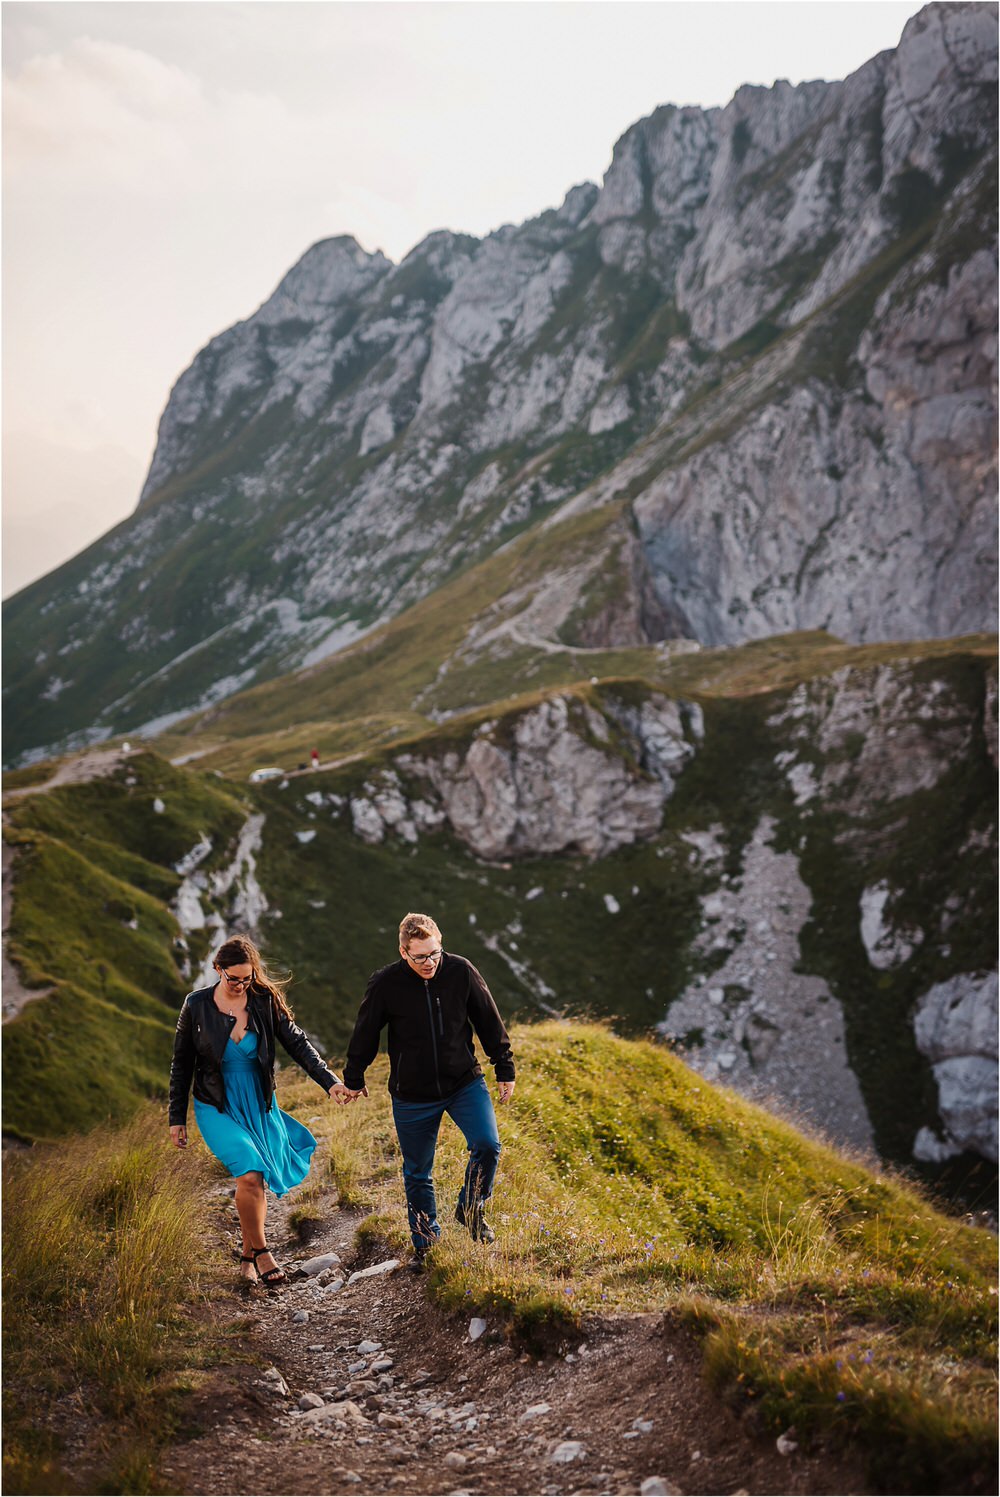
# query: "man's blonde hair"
x,y
417,928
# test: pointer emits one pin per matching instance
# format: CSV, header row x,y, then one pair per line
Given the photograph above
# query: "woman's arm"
x,y
302,1052
181,1071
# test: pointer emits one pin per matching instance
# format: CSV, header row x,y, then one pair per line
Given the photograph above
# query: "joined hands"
x,y
343,1095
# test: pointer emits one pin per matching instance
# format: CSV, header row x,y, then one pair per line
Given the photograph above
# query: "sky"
x,y
164,165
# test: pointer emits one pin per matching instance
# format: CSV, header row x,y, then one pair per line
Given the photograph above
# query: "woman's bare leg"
x,y
251,1207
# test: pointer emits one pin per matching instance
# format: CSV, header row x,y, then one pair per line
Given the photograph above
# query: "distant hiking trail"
x,y
89,766
625,1401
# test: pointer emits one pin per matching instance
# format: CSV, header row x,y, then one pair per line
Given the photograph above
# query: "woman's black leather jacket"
x,y
202,1032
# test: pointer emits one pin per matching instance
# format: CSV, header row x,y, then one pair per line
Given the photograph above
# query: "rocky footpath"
x,y
355,1382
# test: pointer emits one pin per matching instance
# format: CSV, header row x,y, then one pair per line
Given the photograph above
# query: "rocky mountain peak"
x,y
329,273
770,334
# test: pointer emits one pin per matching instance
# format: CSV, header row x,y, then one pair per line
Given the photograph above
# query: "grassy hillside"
x,y
614,936
828,1296
91,928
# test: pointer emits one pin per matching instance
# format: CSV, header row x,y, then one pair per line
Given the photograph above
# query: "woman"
x,y
225,1041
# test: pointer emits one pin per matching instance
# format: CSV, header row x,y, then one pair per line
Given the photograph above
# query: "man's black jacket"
x,y
430,1023
202,1032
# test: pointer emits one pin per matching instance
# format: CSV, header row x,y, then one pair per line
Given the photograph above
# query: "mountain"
x,y
766,343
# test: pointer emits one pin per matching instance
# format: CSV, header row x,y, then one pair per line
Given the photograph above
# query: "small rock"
x,y
456,1460
315,1348
385,1383
566,1451
644,1426
476,1328
361,1366
631,1434
350,1410
383,1364
390,1421
310,1401
376,1268
352,1477
536,1410
787,1443
300,1317
333,1286
655,1486
362,1385
314,1266
273,1380
367,1347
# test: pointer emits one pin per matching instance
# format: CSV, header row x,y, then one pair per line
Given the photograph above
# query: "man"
x,y
432,1001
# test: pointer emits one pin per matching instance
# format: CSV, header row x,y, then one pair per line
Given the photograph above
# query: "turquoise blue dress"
x,y
246,1137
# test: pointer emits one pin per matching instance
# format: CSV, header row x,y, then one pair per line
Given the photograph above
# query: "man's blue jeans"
x,y
417,1125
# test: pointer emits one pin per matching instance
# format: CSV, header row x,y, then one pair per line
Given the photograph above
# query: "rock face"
x,y
758,1022
771,329
956,1028
562,777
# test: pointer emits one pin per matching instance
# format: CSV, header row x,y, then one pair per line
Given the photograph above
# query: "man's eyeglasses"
x,y
236,982
428,956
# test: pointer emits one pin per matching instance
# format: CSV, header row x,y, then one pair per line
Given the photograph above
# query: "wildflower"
x,y
841,1397
838,1365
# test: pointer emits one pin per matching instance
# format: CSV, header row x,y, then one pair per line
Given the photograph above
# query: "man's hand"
x,y
505,1090
179,1136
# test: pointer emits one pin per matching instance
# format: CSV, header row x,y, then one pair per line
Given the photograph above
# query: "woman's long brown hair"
x,y
240,950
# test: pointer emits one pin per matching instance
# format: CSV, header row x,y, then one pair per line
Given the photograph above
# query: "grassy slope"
x,y
94,875
832,1297
339,898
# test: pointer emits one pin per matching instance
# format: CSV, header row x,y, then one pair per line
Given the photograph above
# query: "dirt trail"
x,y
454,1415
89,766
15,994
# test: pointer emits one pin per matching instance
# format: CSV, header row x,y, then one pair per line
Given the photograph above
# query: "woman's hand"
x,y
179,1136
343,1095
505,1090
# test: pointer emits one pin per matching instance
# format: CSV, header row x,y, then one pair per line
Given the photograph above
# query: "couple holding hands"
x,y
431,1001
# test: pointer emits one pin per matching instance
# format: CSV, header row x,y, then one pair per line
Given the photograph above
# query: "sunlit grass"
x,y
834,1298
102,1236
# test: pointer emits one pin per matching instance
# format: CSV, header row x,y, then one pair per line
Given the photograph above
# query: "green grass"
x,y
95,877
828,1295
97,1301
91,929
834,1298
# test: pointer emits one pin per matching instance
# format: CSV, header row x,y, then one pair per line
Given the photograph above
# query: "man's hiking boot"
x,y
474,1218
418,1262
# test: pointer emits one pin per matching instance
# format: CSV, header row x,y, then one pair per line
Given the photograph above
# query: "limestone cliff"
x,y
770,331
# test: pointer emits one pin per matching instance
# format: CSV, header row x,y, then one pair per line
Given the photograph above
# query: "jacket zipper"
x,y
434,1046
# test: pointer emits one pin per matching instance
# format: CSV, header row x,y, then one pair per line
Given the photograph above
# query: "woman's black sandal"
x,y
245,1280
271,1278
